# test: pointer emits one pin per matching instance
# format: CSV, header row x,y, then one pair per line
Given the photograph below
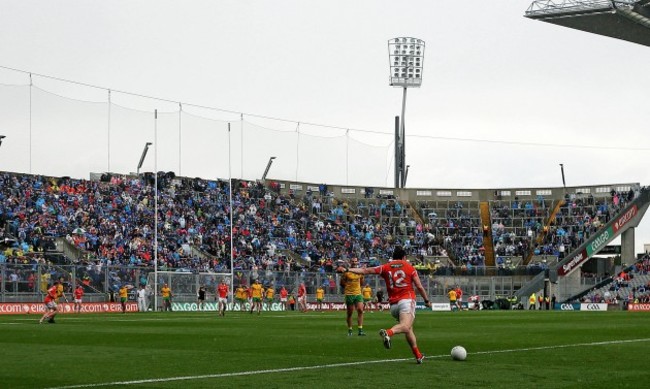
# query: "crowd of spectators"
x,y
516,225
320,228
113,222
579,218
456,225
630,285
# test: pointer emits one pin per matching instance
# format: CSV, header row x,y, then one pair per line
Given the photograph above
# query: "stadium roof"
x,y
622,19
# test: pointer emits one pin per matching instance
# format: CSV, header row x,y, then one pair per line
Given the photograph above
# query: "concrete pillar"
x,y
628,256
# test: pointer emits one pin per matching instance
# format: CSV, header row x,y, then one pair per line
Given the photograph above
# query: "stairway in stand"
x,y
542,235
486,223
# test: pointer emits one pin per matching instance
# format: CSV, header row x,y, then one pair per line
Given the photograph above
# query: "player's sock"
x,y
416,352
390,332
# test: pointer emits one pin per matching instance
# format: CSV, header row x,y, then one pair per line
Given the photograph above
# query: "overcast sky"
x,y
499,90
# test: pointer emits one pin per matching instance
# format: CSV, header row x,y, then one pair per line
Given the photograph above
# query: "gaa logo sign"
x,y
593,307
600,241
566,307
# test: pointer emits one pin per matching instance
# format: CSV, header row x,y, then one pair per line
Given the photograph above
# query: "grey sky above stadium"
x,y
498,91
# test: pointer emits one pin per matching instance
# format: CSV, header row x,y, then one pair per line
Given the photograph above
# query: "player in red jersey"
x,y
50,304
400,278
222,291
459,298
283,298
78,294
302,297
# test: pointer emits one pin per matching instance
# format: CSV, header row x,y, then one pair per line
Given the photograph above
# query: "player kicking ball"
x,y
400,278
51,308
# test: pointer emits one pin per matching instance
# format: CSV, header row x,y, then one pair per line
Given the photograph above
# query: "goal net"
x,y
185,287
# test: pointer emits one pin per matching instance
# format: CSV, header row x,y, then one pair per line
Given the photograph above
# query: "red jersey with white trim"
x,y
51,294
222,289
302,290
398,276
78,293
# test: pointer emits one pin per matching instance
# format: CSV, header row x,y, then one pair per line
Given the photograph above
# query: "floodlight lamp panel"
x,y
406,58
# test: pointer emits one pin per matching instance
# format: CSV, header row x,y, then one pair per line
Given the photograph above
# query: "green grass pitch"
x,y
507,349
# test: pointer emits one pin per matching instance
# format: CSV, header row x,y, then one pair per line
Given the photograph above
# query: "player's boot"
x,y
350,332
51,320
385,338
419,359
361,333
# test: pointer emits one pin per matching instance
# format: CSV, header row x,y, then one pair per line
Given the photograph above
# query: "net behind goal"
x,y
185,285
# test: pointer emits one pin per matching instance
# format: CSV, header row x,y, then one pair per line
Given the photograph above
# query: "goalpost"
x,y
185,286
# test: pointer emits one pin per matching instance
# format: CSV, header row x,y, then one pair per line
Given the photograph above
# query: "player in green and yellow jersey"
x,y
351,284
166,294
256,294
241,296
367,297
269,294
320,296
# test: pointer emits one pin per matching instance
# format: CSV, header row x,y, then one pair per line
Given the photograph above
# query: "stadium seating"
x,y
110,222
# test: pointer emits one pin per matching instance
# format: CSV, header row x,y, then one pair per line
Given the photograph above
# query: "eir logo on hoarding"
x,y
625,218
638,307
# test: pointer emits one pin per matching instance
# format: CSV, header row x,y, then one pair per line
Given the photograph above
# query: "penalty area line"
x,y
344,364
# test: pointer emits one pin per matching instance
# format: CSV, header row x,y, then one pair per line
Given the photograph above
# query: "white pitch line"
x,y
223,375
138,318
333,365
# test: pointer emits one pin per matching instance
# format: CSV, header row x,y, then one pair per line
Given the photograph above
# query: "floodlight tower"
x,y
406,60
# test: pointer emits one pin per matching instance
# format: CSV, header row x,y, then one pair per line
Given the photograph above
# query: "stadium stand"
x,y
105,228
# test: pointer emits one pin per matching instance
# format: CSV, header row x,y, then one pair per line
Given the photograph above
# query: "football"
x,y
458,353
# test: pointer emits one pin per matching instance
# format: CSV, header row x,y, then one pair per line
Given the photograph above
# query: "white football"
x,y
459,353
